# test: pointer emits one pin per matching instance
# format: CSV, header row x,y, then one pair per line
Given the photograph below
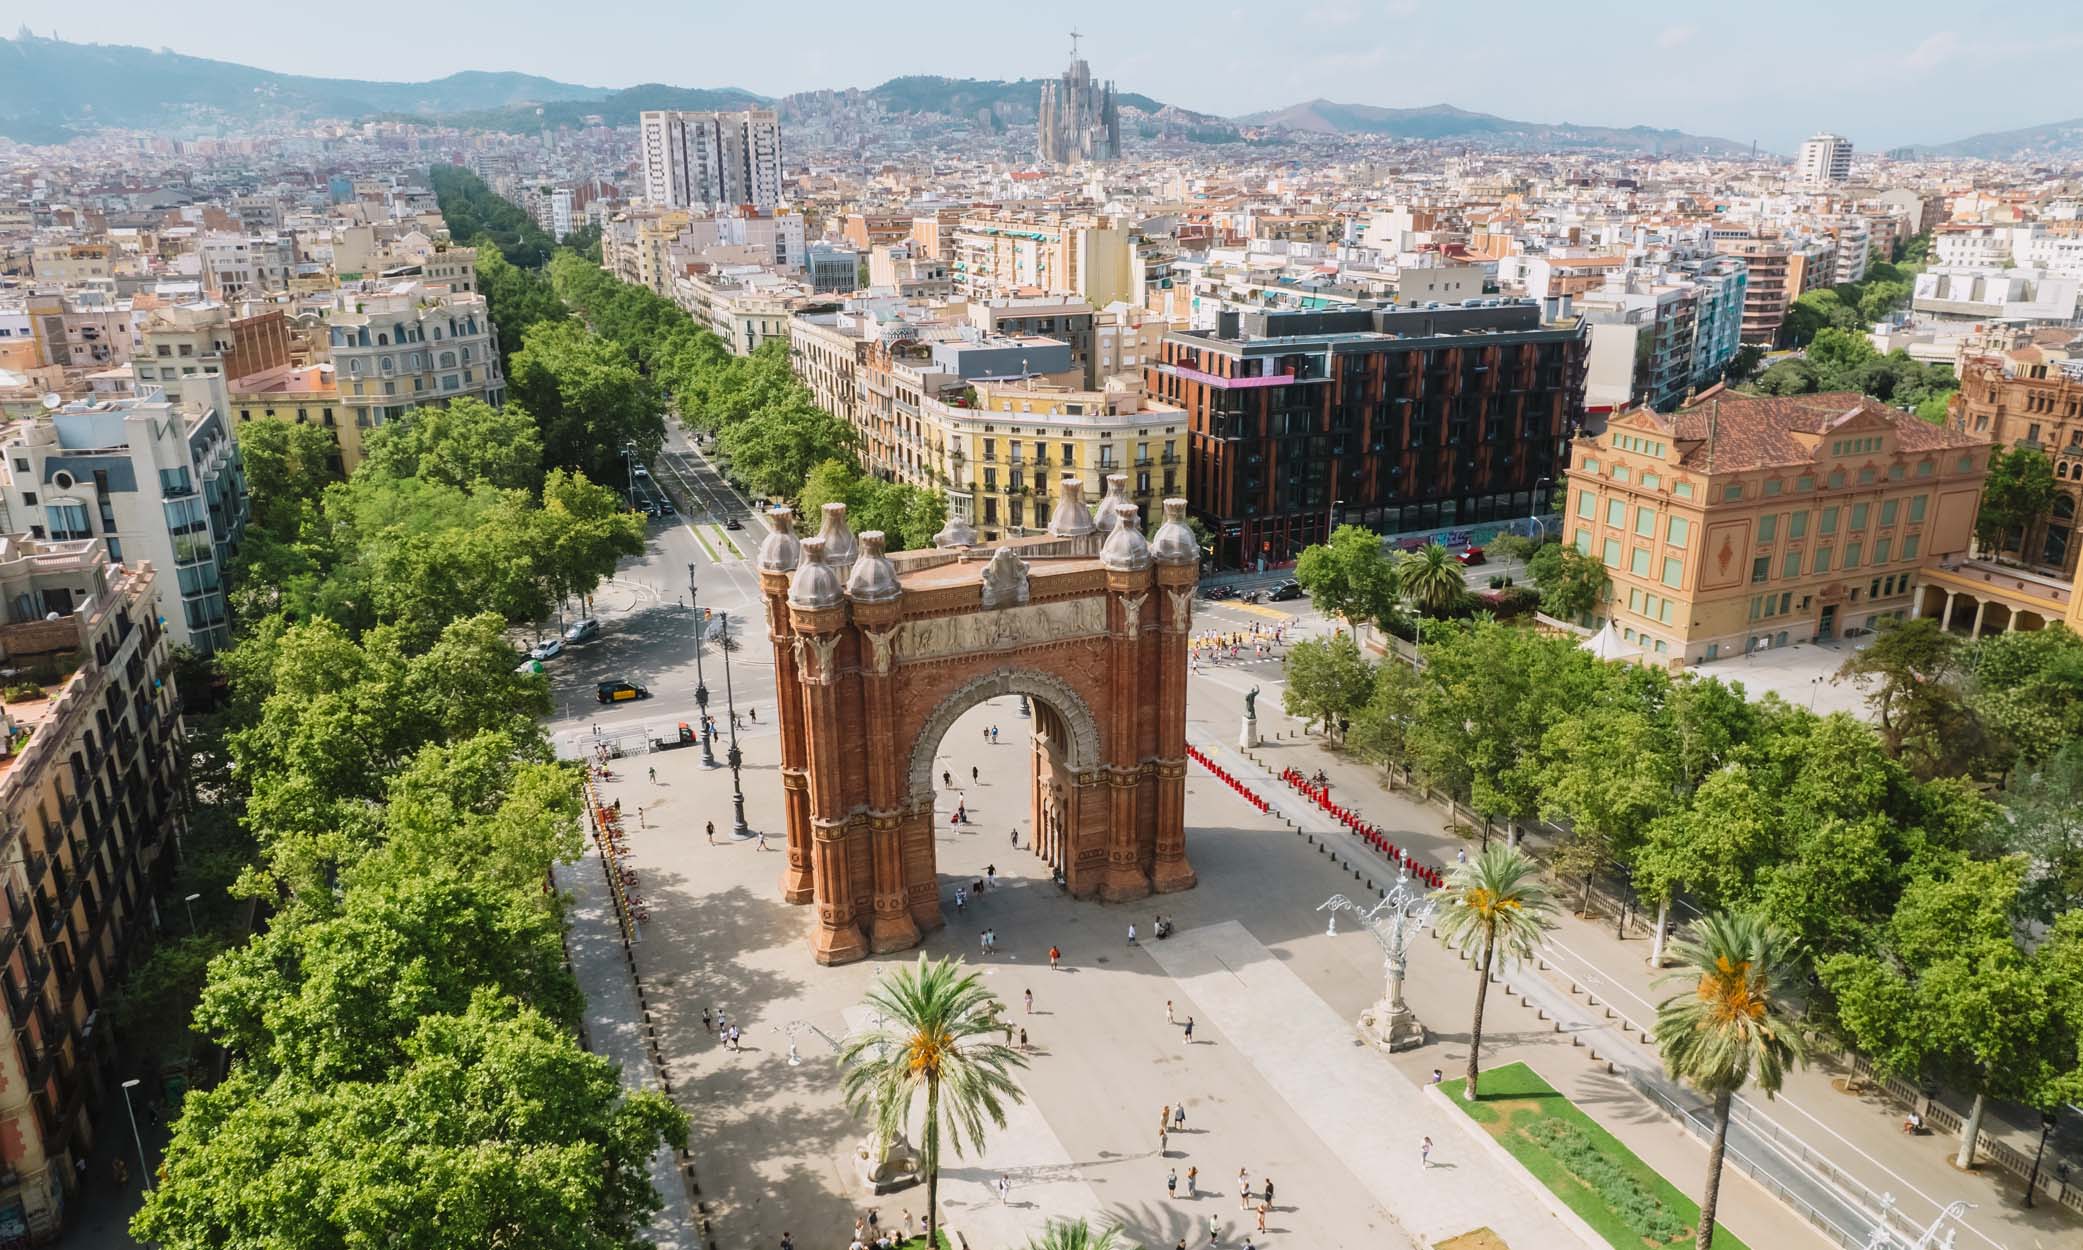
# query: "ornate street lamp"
x,y
701,686
736,757
1407,909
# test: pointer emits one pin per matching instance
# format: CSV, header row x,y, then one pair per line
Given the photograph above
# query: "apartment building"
x,y
1742,522
1069,320
1002,252
183,352
406,346
710,160
1399,419
70,263
235,265
746,305
1780,271
90,779
1825,158
148,481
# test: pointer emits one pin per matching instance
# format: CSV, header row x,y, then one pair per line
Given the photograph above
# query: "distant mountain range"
x,y
2054,142
1444,123
51,90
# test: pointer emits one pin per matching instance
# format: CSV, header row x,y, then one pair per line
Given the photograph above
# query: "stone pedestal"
x,y
892,1168
1392,1027
1247,734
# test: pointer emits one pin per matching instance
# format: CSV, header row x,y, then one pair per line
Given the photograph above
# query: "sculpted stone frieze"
x,y
942,636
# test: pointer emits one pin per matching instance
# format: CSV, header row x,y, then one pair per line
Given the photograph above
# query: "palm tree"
x,y
1077,1235
1432,580
1730,1028
933,1033
1493,907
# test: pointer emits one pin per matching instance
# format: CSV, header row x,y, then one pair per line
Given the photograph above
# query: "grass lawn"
x,y
1625,1200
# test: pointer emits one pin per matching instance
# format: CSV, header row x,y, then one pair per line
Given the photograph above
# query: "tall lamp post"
x,y
144,1169
736,757
1404,911
1533,509
701,685
2032,1182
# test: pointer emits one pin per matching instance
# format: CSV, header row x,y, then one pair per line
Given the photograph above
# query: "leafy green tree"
x,y
580,534
1839,353
1949,993
2018,491
288,467
1788,377
1911,675
1733,1026
1879,299
495,1130
1432,580
466,443
2045,805
2027,685
1381,726
1744,364
153,1004
1350,576
1715,846
1609,808
1572,584
1328,680
774,453
1493,909
1062,1234
517,300
590,400
907,515
935,1041
1815,312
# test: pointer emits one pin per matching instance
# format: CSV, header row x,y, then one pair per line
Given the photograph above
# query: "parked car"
x,y
620,691
585,629
547,649
1289,589
1472,557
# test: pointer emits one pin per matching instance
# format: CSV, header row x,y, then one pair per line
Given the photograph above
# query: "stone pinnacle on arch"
x,y
1126,551
780,551
874,578
1071,518
840,547
814,585
957,532
1108,514
1174,543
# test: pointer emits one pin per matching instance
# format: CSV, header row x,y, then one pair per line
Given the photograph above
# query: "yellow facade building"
x,y
1746,521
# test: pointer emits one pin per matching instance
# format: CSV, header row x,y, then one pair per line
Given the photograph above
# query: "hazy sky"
x,y
1771,70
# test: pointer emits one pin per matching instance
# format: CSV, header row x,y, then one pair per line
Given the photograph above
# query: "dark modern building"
x,y
1399,419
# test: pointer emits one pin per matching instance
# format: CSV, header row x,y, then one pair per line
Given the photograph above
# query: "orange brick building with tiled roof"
x,y
1748,521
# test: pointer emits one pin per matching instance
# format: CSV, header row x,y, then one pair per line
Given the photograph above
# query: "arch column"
x,y
1175,584
1128,593
838,938
891,924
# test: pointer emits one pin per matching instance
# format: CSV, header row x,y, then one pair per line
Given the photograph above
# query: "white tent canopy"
x,y
1607,644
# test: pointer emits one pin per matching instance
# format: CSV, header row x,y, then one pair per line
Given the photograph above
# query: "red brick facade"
x,y
873,672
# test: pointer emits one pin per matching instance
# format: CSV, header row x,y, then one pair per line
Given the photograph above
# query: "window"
x,y
1682,489
1851,555
1583,541
1616,513
1674,570
1587,507
1760,568
1651,481
1645,522
1859,511
1611,553
1916,508
1768,528
1773,487
1888,512
1805,482
1638,561
1678,532
1797,526
1620,473
1880,549
1909,547
1829,525
1822,561
1734,490
1836,478
1590,465
1790,565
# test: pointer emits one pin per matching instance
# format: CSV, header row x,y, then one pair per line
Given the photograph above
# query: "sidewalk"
x,y
614,1021
1859,1136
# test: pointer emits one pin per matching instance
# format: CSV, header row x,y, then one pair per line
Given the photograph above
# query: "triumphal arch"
x,y
877,653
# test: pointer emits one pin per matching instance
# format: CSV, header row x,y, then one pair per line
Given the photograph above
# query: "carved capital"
x,y
822,646
1182,609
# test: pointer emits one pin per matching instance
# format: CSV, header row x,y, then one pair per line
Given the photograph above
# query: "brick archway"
x,y
877,655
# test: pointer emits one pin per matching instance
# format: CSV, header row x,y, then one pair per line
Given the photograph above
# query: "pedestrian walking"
x,y
1268,1188
1164,1117
1193,1181
1243,1190
1178,1117
1171,1184
973,774
1189,1030
983,942
787,1242
1263,1207
1023,1039
1214,1229
1005,1187
706,1023
1131,934
712,833
640,816
1055,955
961,900
734,1036
654,776
1438,1076
1425,1152
762,839
1029,994
1016,839
947,779
1168,1012
1164,1141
